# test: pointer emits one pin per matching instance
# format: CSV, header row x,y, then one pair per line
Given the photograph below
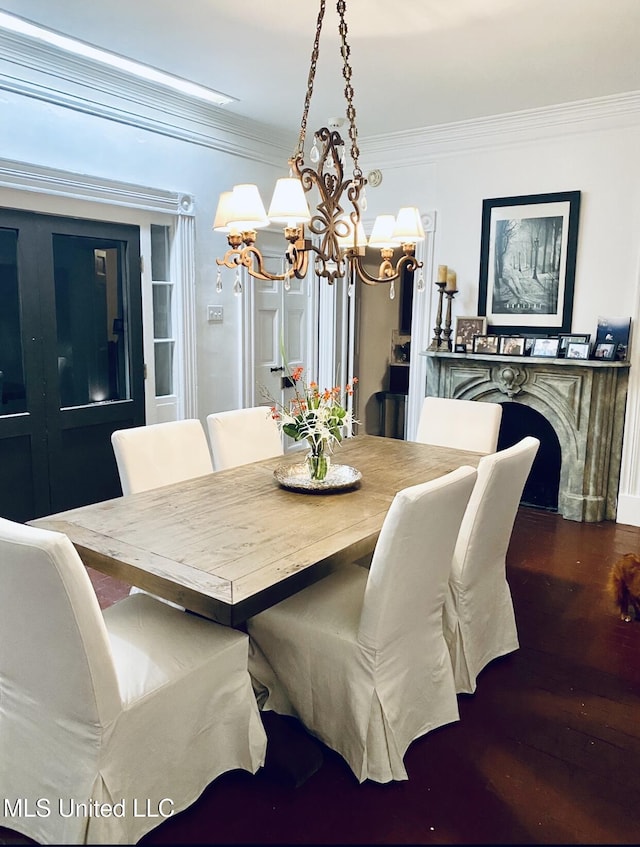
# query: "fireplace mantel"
x,y
583,400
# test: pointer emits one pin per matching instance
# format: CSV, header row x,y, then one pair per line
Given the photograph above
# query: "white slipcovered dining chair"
x,y
140,706
359,657
240,436
479,621
464,424
159,454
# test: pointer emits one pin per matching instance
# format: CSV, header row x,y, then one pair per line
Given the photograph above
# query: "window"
x,y
163,310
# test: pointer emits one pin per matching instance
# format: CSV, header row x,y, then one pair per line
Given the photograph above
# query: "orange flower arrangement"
x,y
321,417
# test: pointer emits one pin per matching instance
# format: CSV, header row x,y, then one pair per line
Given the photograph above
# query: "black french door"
x,y
71,359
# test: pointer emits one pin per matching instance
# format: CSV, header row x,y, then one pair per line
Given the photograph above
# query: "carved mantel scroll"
x,y
583,400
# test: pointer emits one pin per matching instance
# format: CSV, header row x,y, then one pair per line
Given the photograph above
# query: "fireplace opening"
x,y
543,484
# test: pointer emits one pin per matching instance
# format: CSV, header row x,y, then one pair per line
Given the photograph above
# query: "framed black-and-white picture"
x,y
466,328
545,347
528,262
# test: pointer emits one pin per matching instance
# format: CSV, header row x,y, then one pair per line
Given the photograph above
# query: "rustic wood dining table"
x,y
230,544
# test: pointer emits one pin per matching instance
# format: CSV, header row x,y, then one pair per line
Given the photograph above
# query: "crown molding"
x,y
420,146
44,72
27,177
41,71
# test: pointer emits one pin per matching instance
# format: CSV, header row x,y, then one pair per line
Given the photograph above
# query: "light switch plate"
x,y
215,314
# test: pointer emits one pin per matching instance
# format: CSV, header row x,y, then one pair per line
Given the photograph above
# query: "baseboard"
x,y
628,510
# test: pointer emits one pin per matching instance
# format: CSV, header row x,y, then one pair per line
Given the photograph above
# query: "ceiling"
x,y
416,63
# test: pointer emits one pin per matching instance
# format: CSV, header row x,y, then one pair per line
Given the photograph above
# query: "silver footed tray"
x,y
296,477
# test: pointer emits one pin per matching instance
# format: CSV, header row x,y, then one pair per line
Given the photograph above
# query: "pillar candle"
x,y
452,284
442,273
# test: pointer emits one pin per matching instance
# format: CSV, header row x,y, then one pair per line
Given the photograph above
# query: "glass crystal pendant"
x,y
219,282
237,284
392,290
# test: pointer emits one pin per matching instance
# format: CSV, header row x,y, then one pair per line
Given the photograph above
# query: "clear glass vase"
x,y
318,462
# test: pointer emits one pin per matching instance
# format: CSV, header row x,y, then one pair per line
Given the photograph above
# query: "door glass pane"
x,y
12,385
164,367
159,253
92,345
162,311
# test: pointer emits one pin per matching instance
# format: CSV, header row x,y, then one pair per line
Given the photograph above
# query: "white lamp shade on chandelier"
x,y
382,232
408,228
246,210
289,204
223,213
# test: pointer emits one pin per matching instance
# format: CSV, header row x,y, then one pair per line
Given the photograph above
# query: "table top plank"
x,y
230,543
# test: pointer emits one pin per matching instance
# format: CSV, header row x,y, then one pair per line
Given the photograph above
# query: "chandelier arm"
x,y
299,151
246,256
407,262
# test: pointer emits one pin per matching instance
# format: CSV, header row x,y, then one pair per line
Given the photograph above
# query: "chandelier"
x,y
334,239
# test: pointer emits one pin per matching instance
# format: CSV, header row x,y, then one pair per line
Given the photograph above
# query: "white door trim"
x,y
420,326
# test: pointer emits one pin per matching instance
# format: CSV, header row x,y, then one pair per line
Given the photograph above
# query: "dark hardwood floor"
x,y
546,751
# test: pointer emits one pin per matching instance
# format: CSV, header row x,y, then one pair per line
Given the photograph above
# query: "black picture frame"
x,y
545,347
528,262
486,344
605,351
577,350
572,338
511,345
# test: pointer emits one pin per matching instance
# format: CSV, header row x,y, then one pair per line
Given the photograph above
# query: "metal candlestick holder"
x,y
446,343
436,342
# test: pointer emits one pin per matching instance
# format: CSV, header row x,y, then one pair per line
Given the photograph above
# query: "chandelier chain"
x,y
299,151
348,91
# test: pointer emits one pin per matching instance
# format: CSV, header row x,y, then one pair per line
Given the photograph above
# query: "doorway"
x,y
277,318
71,361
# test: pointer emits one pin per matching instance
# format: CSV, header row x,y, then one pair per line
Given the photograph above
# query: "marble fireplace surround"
x,y
584,401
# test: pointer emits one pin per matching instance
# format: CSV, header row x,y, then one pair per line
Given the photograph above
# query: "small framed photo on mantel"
x,y
545,347
466,328
565,340
605,351
577,350
511,345
487,344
